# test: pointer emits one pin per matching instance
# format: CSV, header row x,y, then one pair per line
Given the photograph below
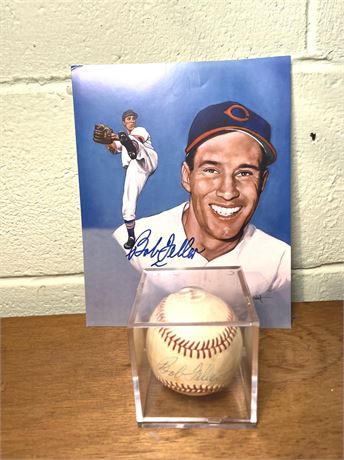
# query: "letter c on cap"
x,y
245,113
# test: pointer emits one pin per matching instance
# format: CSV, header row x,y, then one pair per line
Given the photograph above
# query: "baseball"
x,y
195,360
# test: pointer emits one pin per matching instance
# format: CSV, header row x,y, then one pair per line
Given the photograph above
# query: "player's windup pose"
x,y
138,158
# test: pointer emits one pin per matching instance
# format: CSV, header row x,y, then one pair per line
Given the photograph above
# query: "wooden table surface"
x,y
66,393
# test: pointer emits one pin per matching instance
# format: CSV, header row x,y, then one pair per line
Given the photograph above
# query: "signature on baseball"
x,y
161,251
169,368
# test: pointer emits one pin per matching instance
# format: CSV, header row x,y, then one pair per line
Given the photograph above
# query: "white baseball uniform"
x,y
264,259
138,170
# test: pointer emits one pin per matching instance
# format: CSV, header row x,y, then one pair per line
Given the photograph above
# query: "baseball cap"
x,y
230,116
129,112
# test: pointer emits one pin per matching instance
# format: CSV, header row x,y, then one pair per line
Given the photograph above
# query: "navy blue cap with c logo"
x,y
230,116
129,112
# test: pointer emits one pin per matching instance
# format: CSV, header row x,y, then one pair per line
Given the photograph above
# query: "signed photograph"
x,y
184,165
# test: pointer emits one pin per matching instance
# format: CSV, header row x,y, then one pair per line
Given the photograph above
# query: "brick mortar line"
x,y
307,23
310,36
46,81
77,278
53,275
334,265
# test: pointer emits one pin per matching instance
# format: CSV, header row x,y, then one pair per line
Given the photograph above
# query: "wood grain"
x,y
66,393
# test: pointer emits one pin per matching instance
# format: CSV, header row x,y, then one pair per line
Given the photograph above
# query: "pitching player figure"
x,y
140,161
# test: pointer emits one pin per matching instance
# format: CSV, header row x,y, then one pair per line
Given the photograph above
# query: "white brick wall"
x,y
40,234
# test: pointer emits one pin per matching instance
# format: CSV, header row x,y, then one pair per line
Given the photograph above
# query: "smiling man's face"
x,y
224,185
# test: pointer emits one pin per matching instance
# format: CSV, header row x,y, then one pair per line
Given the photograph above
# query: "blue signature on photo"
x,y
161,251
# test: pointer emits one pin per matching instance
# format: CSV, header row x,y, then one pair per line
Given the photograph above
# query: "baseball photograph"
x,y
180,166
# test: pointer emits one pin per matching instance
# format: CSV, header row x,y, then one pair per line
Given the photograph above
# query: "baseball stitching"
x,y
191,389
196,349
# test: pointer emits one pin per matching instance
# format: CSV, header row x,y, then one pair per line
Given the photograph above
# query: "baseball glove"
x,y
102,134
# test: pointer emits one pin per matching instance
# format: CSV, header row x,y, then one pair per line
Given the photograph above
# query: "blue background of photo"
x,y
167,97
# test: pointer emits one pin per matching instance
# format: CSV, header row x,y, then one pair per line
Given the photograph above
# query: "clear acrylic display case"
x,y
158,406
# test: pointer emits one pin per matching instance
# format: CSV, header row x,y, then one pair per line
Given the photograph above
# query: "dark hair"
x,y
129,112
190,159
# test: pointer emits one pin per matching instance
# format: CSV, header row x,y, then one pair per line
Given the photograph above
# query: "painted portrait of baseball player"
x,y
139,159
194,172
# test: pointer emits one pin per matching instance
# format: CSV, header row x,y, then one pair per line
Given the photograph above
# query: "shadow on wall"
x,y
110,286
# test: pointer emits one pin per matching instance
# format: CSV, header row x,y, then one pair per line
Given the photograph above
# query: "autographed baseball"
x,y
195,359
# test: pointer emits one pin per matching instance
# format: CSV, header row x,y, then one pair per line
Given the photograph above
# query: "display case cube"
x,y
160,400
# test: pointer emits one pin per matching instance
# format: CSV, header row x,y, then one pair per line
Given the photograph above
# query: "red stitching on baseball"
x,y
191,389
193,349
160,312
